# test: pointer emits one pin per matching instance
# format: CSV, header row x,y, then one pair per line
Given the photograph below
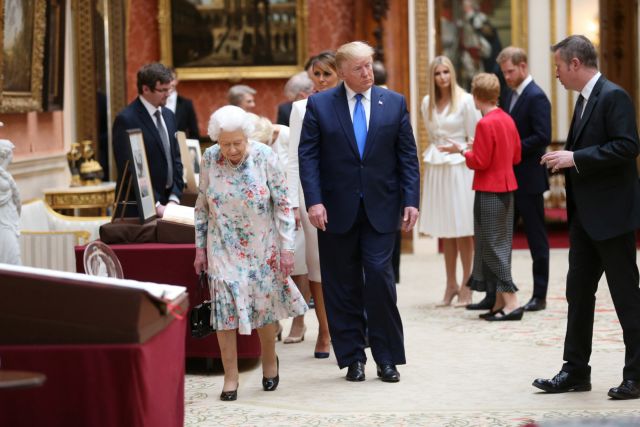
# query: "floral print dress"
x,y
243,219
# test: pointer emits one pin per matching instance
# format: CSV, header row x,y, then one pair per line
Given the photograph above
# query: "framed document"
x,y
141,179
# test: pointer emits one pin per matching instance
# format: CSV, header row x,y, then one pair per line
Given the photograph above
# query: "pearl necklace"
x,y
238,165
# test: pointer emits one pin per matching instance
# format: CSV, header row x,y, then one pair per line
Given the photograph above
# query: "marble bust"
x,y
10,208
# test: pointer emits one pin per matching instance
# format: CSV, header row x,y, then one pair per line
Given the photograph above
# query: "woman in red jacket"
x,y
496,149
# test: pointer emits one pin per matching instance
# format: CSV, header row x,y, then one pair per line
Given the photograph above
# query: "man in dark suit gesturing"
x,y
158,127
359,173
603,203
531,111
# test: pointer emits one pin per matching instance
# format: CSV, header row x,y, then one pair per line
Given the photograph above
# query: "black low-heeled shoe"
x,y
489,313
270,384
501,316
229,396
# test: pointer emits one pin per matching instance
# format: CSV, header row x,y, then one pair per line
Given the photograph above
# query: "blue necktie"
x,y
360,124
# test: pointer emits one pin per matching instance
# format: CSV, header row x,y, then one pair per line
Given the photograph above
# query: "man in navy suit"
x,y
360,176
158,127
603,203
531,111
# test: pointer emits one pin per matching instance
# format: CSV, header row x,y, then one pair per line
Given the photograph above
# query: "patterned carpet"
x,y
461,371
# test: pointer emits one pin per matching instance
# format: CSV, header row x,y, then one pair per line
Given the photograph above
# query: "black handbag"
x,y
200,315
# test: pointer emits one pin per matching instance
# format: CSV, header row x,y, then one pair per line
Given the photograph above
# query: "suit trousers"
x,y
588,259
357,275
530,207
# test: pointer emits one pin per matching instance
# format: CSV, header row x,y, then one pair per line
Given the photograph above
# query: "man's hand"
x,y
286,262
200,263
296,215
556,160
318,216
160,210
410,218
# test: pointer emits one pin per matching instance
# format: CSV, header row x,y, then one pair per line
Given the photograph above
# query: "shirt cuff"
x,y
174,198
574,162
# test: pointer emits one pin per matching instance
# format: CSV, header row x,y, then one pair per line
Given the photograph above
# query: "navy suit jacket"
x,y
386,179
136,116
603,187
532,115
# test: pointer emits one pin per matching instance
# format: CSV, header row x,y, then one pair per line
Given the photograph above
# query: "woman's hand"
x,y
296,215
286,262
452,148
200,263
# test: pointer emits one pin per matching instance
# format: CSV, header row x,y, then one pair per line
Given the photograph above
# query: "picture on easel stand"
x,y
140,177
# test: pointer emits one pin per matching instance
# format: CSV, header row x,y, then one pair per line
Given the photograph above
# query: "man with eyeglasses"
x,y
158,127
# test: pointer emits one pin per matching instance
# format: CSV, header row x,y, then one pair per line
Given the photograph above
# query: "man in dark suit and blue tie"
x,y
531,111
603,203
158,127
360,176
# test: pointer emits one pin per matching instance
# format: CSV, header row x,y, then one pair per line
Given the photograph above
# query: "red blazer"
x,y
496,148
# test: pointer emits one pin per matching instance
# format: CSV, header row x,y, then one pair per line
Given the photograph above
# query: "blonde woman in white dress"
x,y
447,198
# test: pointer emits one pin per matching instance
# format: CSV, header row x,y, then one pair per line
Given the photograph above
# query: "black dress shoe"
x,y
488,314
562,383
270,384
355,372
229,396
535,304
629,389
388,373
485,304
500,316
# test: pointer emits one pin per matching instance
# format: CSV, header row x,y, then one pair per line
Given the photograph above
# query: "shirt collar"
x,y
588,88
524,84
351,93
150,108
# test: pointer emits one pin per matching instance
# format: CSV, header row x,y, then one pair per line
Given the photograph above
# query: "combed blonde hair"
x,y
353,50
262,131
486,87
434,91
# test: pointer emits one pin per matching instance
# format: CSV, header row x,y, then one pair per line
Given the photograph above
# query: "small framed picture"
x,y
195,155
141,178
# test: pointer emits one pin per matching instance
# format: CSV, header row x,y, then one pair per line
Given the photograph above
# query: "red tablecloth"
x,y
173,264
99,385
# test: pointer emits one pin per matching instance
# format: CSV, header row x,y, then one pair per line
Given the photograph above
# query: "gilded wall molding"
x,y
422,65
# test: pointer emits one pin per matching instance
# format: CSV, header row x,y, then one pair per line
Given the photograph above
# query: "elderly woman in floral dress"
x,y
245,240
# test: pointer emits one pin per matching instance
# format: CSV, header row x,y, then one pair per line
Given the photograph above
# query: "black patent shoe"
x,y
629,389
229,396
388,373
562,383
488,313
535,304
485,304
500,316
270,384
355,372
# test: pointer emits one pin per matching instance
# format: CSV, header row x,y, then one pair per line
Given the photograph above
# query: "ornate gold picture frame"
x,y
21,60
249,39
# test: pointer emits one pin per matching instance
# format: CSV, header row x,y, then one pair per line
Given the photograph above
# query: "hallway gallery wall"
x,y
330,24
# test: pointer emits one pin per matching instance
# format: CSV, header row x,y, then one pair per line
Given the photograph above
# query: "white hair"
x,y
229,119
298,83
263,131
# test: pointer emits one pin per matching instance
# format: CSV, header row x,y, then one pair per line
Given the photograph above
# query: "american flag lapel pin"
x,y
379,101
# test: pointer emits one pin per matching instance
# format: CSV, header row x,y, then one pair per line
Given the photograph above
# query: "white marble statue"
x,y
10,207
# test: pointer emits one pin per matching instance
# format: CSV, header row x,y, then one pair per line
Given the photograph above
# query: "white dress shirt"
x,y
366,102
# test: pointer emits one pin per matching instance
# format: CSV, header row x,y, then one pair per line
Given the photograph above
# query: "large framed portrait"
x,y
473,32
141,178
53,81
222,39
21,61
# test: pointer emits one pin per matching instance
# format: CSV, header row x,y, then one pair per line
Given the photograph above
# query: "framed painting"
x,y
21,61
139,168
473,32
220,39
53,81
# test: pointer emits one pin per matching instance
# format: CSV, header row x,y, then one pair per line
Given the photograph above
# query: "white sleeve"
x,y
471,116
293,171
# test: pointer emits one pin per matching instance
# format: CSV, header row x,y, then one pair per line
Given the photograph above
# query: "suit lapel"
x,y
376,111
520,100
344,117
591,102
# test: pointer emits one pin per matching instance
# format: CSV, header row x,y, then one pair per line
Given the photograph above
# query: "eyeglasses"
x,y
161,90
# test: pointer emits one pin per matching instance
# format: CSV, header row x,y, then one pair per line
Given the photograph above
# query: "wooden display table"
x,y
98,197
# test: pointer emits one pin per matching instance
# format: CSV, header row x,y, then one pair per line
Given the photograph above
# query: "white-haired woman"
x,y
447,198
244,241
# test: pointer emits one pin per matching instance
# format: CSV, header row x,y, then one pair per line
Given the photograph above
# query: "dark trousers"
x,y
356,276
530,207
588,259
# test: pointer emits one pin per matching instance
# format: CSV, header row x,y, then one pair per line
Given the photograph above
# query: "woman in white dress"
x,y
447,198
323,73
